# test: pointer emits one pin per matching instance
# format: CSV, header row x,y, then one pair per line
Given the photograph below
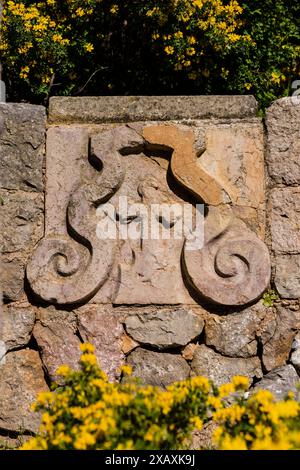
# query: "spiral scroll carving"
x,y
71,269
233,267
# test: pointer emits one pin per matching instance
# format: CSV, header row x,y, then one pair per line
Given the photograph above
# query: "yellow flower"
x,y
191,40
233,443
88,358
79,12
169,50
240,382
89,47
126,370
226,389
197,422
63,370
191,51
178,35
114,9
87,347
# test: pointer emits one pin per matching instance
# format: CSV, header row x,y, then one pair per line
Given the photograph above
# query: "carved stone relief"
x,y
88,168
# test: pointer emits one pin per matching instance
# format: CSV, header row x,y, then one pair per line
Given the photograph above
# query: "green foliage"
x,y
269,298
99,47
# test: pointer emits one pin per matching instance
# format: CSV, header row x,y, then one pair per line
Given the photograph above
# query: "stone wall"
x,y
168,311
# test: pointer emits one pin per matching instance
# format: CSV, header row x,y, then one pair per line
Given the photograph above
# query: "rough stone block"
x,y
283,155
21,379
287,276
280,381
165,329
22,146
284,209
221,369
155,368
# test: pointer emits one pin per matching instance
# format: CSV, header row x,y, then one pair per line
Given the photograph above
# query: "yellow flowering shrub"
x,y
259,423
89,413
150,47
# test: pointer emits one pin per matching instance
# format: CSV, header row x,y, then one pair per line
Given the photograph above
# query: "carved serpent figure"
x,y
67,270
233,267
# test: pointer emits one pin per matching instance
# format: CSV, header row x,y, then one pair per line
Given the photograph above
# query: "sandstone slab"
x,y
21,379
284,209
277,348
100,326
280,381
149,108
155,368
55,334
283,155
165,329
22,146
287,276
221,369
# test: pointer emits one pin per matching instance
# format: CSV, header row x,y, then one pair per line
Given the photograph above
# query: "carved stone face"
x,y
72,264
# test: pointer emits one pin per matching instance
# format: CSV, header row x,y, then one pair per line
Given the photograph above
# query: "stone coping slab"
x,y
94,110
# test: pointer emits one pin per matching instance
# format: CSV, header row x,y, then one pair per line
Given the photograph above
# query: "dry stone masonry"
x,y
168,311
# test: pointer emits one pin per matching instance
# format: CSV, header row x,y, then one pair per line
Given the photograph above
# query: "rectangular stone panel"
x,y
149,271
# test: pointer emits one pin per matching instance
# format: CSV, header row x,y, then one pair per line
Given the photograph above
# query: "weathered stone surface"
x,y
150,271
295,356
101,327
280,381
276,350
128,344
149,108
22,146
17,325
284,209
165,329
283,155
189,351
237,334
287,276
157,368
234,157
12,277
22,220
55,334
221,369
232,267
21,379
